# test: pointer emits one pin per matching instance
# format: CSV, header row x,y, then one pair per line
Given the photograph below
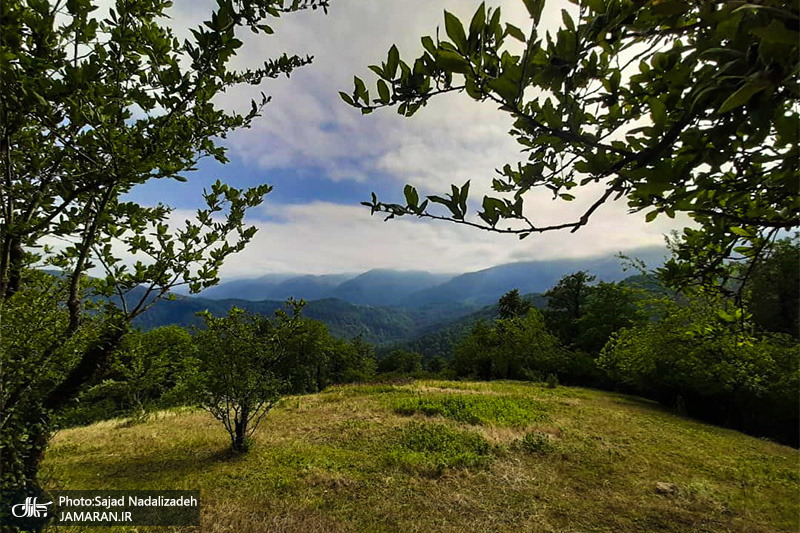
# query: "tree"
x,y
678,106
400,361
90,108
139,376
608,308
772,292
729,377
236,379
566,304
511,304
519,347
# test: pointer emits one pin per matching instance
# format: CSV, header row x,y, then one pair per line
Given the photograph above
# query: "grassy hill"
x,y
450,457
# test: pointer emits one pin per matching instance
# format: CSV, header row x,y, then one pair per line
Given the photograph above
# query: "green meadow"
x,y
438,456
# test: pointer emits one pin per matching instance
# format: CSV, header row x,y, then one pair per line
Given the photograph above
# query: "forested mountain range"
x,y
416,309
411,288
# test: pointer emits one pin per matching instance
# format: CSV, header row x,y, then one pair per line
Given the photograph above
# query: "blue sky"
x,y
323,157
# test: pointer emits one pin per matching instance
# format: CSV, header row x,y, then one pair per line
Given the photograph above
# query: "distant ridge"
x,y
486,286
384,287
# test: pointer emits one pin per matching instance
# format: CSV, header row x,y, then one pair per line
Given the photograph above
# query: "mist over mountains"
x,y
389,306
412,288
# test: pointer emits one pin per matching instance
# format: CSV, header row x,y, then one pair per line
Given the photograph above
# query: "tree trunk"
x,y
240,431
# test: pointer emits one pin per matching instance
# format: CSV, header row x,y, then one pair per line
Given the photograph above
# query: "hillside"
x,y
439,339
376,324
485,457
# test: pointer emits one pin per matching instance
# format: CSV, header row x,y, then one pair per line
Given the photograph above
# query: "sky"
x,y
323,157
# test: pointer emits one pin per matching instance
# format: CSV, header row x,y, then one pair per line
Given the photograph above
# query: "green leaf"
x,y
383,91
452,62
478,21
506,88
412,197
777,33
515,32
392,61
658,111
346,98
534,8
742,232
455,31
428,44
567,19
743,95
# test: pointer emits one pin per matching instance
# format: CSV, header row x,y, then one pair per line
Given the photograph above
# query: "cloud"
x,y
322,237
308,129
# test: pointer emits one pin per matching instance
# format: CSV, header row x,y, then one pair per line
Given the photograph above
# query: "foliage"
x,y
433,448
400,361
772,291
566,304
29,366
728,377
142,375
584,316
681,107
235,374
511,305
314,359
536,442
92,106
515,348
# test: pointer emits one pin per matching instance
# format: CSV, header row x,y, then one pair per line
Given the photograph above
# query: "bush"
x,y
518,348
400,361
720,375
234,377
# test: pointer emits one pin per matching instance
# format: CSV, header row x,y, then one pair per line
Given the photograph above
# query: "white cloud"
x,y
322,237
453,139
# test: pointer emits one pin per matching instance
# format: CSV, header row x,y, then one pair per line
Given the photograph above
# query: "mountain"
x,y
376,324
309,287
247,289
386,287
415,289
278,287
486,286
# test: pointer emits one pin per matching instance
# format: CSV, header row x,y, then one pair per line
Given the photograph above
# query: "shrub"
x,y
721,375
234,377
536,442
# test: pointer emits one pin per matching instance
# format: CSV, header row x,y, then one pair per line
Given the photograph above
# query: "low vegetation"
x,y
435,456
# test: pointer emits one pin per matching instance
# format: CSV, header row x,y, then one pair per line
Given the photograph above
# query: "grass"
x,y
476,409
448,457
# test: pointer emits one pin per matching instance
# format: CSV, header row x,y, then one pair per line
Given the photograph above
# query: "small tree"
x,y
235,378
94,103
